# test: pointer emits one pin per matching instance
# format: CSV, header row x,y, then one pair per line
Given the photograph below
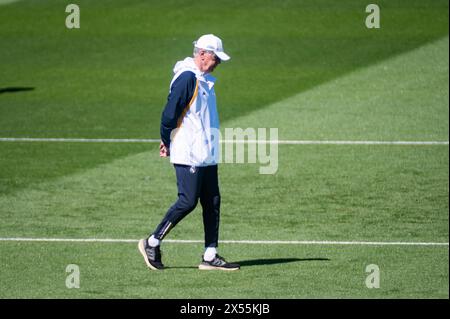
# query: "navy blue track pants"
x,y
195,183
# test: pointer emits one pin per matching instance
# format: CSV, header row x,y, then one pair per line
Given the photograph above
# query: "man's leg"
x,y
189,186
210,200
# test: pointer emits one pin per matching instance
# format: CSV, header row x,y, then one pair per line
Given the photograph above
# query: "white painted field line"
x,y
327,242
290,142
78,140
313,142
253,242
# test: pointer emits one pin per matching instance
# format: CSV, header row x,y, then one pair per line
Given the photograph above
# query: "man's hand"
x,y
163,150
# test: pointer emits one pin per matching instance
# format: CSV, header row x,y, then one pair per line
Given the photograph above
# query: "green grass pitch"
x,y
312,69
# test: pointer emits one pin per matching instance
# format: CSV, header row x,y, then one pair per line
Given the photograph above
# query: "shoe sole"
x,y
208,267
141,247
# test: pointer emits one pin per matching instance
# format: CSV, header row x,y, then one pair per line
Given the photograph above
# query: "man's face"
x,y
208,61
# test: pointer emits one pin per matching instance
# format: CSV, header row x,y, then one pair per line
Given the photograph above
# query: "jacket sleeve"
x,y
181,93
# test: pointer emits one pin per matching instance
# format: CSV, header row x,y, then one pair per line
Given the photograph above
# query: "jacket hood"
x,y
187,64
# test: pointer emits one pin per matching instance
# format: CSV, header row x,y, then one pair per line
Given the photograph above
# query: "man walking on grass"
x,y
189,135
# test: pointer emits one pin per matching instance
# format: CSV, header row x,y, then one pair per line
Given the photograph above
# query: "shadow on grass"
x,y
262,262
273,261
15,89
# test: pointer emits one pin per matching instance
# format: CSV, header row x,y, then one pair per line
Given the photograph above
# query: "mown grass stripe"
x,y
290,142
253,242
7,1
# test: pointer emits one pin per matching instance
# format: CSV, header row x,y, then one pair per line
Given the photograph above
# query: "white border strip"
x,y
252,242
290,142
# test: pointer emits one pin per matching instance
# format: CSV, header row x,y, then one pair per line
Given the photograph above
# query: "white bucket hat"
x,y
212,43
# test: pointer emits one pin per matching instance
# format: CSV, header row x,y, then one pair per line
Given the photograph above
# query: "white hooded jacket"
x,y
195,140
